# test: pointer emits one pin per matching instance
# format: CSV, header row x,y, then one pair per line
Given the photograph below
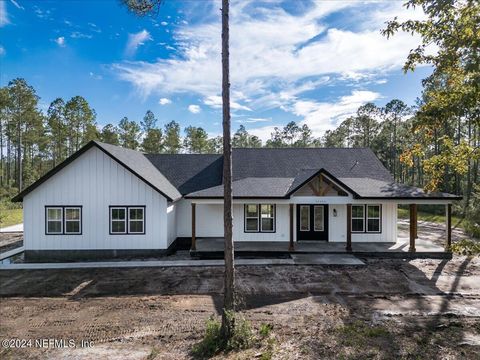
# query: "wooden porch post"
x,y
449,226
291,247
349,228
194,245
413,226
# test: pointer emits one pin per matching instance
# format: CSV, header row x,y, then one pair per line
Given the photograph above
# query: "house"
x,y
109,201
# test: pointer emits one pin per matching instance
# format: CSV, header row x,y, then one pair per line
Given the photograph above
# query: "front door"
x,y
312,222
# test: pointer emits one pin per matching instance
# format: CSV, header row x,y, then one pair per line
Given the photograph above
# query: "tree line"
x,y
33,142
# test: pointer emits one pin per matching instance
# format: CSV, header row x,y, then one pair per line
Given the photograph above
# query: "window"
x,y
127,220
54,220
305,218
358,218
318,218
135,220
118,220
63,220
373,218
259,218
251,218
268,217
367,218
73,220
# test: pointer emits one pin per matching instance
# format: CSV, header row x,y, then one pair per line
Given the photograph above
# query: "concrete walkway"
x,y
297,259
13,228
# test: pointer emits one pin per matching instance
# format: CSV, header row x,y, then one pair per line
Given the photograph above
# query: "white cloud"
x,y
164,101
3,14
79,35
17,5
216,102
164,23
253,120
194,109
95,76
60,41
136,40
2,50
277,56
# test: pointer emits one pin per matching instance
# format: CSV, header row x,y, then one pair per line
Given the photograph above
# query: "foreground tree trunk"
x,y
228,321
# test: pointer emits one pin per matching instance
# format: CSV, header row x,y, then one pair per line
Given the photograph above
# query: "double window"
x,y
366,218
127,220
63,220
259,218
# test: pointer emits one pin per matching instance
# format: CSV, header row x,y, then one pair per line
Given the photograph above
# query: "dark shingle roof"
x,y
138,163
249,188
260,172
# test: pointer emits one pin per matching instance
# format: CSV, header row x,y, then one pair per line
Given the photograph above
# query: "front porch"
x,y
213,248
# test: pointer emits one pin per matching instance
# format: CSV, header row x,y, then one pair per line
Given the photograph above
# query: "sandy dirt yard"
x,y
388,309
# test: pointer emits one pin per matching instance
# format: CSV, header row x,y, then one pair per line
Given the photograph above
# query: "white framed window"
x,y
73,220
267,214
374,216
128,220
318,218
54,220
251,218
358,218
304,217
118,220
136,220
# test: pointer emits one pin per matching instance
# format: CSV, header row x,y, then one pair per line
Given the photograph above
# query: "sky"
x,y
310,61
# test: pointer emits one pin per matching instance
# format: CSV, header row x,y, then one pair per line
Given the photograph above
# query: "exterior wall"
x,y
209,219
210,223
389,227
171,223
282,225
95,181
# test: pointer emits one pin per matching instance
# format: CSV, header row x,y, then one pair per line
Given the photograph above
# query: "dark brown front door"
x,y
312,222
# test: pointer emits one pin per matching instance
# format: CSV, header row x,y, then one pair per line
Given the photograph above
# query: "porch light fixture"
x,y
334,212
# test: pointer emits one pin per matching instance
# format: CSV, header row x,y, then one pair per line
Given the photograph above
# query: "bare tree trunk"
x,y
228,322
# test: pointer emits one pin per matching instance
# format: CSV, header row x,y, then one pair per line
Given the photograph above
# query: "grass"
x,y
457,222
10,217
466,247
213,342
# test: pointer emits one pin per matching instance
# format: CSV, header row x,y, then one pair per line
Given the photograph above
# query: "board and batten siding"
x,y
338,225
209,219
95,181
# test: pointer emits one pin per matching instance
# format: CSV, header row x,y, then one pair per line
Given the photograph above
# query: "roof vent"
x,y
356,163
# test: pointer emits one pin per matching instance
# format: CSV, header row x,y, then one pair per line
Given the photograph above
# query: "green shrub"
x,y
265,330
214,343
466,247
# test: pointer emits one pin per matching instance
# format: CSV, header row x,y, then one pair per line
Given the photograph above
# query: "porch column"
x,y
291,247
448,209
194,245
413,226
349,228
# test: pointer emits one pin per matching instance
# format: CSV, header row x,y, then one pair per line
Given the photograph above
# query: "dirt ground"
x,y
388,309
9,241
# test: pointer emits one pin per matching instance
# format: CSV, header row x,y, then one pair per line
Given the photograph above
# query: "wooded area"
x,y
434,144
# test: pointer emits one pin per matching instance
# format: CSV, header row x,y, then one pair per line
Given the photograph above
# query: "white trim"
x,y
142,220
54,220
267,217
357,218
252,217
308,217
118,220
79,220
314,217
379,218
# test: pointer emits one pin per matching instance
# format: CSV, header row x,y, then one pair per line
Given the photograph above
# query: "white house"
x,y
108,201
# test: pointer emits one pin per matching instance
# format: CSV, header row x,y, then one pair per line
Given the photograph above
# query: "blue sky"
x,y
313,62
